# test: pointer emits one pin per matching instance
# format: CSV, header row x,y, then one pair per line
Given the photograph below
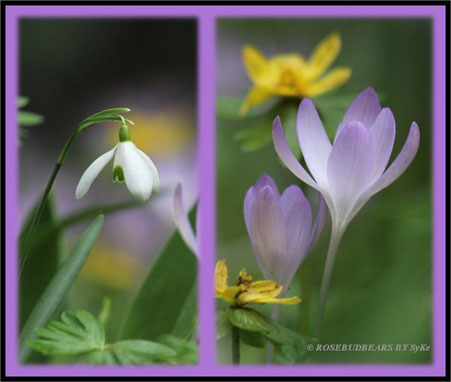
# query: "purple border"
x,y
206,16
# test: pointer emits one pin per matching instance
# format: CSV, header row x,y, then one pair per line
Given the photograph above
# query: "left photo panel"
x,y
107,151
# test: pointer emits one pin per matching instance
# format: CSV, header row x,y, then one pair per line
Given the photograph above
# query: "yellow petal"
x,y
230,294
335,78
267,287
221,276
255,63
283,301
288,60
255,97
325,53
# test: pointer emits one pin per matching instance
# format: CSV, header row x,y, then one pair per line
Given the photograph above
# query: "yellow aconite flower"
x,y
291,75
246,291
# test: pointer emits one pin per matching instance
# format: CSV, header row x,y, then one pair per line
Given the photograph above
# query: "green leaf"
x,y
59,286
27,118
76,334
255,136
254,339
249,319
162,297
186,350
23,101
42,258
223,325
186,322
105,312
228,108
101,357
138,352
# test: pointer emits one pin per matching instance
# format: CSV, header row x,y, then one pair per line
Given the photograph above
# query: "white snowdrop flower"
x,y
130,165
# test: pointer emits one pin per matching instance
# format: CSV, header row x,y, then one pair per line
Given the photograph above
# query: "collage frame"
x,y
206,16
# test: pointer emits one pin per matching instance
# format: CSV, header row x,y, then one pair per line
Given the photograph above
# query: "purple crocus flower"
x,y
280,228
351,170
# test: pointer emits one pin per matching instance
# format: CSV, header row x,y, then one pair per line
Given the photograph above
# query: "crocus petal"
x,y
153,170
350,167
383,134
266,180
182,221
249,201
336,77
298,223
92,172
320,221
137,174
286,155
267,233
314,142
401,162
364,108
255,97
324,55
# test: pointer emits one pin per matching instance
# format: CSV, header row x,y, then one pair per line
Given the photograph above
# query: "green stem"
x,y
335,239
45,195
235,345
275,315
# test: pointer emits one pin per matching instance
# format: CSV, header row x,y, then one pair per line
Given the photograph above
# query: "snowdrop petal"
x,y
314,142
401,162
286,155
268,233
137,174
182,222
153,170
350,167
92,172
383,134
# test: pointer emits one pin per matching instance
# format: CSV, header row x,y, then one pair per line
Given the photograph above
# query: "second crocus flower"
x,y
280,228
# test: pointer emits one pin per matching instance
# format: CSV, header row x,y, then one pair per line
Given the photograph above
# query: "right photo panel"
x,y
323,168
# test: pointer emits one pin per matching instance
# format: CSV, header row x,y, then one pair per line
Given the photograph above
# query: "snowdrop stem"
x,y
335,239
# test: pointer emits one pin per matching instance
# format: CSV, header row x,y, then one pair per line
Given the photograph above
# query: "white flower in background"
x,y
130,165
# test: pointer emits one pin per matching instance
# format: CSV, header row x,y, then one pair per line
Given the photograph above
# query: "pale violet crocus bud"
x,y
352,169
182,221
130,165
281,228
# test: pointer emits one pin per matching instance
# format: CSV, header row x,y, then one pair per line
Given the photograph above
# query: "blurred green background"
x,y
73,68
381,286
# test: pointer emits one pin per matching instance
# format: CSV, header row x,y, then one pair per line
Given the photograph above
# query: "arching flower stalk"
x,y
353,169
130,165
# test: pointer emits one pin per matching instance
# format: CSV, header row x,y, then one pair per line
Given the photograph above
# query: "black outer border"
x,y
445,4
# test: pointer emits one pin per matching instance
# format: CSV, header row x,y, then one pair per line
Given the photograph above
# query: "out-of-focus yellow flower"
x,y
291,75
162,134
111,268
246,291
